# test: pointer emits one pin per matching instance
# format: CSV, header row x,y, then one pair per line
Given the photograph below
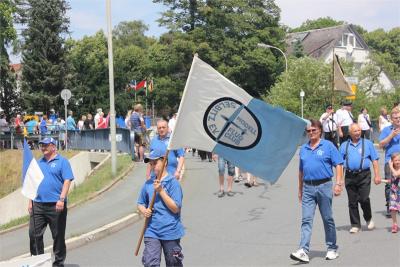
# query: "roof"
x,y
317,43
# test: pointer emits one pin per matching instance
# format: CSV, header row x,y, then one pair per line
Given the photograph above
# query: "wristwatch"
x,y
62,199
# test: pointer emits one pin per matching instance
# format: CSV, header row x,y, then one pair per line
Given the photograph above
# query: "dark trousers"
x,y
358,187
152,252
366,134
388,176
345,131
331,136
46,214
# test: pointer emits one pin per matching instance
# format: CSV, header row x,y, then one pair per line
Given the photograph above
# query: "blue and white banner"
x,y
217,115
32,175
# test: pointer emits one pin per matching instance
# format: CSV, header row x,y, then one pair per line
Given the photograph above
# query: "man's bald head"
x,y
162,128
355,132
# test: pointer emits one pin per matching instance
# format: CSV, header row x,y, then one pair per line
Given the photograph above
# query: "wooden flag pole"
x,y
333,76
153,199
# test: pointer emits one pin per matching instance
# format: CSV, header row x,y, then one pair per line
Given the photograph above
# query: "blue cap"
x,y
48,140
154,154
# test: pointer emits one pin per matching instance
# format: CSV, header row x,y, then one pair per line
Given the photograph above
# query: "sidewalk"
x,y
110,206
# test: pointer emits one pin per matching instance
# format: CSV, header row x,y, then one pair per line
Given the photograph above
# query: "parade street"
x,y
258,226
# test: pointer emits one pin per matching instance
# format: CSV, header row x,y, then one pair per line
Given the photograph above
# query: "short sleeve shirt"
x,y
163,224
394,144
161,144
354,154
317,163
55,172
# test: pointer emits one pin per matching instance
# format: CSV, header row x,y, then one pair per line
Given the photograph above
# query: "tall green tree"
x,y
9,96
226,33
44,65
312,24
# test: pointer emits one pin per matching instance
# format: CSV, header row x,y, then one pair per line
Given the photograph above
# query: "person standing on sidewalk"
x,y
317,157
389,140
358,154
50,205
165,228
221,175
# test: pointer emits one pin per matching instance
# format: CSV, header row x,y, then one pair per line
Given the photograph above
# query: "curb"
x,y
78,241
90,197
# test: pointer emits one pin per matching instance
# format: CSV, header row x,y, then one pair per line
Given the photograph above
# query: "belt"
x,y
357,171
316,182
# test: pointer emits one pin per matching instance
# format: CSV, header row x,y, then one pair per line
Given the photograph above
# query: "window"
x,y
348,39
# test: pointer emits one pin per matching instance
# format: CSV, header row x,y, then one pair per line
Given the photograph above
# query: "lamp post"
x,y
302,94
265,46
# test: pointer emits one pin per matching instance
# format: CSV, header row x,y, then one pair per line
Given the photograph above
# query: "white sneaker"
x,y
354,230
300,255
331,255
370,225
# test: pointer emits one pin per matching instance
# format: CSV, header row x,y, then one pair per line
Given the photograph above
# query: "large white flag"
x,y
32,175
217,115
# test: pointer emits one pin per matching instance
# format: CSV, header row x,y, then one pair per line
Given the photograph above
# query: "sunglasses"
x,y
311,130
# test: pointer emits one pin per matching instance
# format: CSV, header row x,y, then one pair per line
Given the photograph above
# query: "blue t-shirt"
x,y
163,224
71,125
354,154
30,126
394,144
317,163
43,127
55,172
161,145
136,124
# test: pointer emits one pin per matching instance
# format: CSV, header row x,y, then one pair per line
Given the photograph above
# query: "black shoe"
x,y
221,193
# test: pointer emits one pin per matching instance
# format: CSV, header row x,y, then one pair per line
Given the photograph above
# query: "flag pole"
x,y
34,229
153,199
333,75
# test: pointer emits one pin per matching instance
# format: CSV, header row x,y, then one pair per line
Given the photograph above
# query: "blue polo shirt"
x,y
354,154
317,163
55,172
163,224
161,144
394,144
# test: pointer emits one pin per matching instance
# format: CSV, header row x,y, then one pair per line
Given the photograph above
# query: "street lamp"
x,y
302,94
265,46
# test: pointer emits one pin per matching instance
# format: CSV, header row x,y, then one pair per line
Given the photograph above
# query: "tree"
x,y
319,23
128,33
307,74
45,68
298,50
226,33
9,96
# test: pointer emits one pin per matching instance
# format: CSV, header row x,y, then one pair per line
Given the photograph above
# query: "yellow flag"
x,y
340,83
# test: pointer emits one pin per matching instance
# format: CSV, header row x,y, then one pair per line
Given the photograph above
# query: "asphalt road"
x,y
258,226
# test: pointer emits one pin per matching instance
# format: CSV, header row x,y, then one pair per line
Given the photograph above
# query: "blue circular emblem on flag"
x,y
230,123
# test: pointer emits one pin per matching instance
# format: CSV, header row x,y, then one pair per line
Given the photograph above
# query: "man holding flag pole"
x,y
46,183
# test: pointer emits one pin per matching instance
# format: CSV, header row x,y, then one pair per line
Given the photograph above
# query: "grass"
x,y
98,180
11,168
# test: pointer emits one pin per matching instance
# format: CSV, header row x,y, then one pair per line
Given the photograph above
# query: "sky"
x,y
88,16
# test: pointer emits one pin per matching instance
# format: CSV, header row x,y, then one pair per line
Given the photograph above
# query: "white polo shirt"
x,y
343,117
330,123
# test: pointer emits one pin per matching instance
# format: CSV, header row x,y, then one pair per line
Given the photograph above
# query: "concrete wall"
x,y
15,205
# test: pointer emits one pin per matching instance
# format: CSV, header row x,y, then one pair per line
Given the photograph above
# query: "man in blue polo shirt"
x,y
389,140
358,153
165,229
50,205
160,143
317,158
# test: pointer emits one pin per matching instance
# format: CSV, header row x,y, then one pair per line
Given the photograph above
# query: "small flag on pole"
x,y
340,83
217,115
140,85
32,175
150,86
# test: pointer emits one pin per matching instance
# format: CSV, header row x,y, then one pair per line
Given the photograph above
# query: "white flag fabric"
x,y
217,115
32,175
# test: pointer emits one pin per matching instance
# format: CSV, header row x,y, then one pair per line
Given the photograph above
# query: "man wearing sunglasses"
x,y
317,158
50,205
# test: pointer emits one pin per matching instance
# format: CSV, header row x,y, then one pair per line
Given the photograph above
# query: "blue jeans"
x,y
320,195
152,252
221,167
